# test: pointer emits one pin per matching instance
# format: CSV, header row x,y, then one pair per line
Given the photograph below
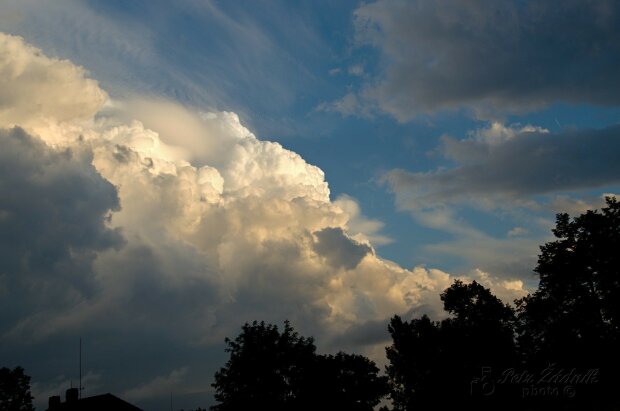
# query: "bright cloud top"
x,y
161,220
36,88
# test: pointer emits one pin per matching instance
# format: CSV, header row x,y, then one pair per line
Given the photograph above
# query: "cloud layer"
x,y
490,57
512,163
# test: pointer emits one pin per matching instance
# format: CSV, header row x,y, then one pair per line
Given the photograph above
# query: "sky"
x,y
172,170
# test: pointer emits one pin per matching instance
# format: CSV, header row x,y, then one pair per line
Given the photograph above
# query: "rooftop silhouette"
x,y
103,402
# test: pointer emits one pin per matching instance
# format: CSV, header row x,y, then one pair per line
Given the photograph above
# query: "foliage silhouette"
x,y
573,320
567,333
265,368
345,382
15,390
433,364
274,370
416,362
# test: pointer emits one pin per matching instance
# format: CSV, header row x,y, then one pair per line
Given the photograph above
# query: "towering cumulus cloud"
x,y
148,224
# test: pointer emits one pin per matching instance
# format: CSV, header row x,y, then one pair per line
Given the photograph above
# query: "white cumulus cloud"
x,y
185,223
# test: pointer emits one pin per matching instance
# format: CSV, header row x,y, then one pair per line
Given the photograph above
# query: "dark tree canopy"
x,y
577,304
347,382
570,327
473,305
480,319
573,319
415,358
266,368
274,370
432,364
15,390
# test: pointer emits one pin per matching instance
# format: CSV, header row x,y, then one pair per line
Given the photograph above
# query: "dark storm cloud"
x,y
492,56
376,331
53,208
365,334
528,164
338,249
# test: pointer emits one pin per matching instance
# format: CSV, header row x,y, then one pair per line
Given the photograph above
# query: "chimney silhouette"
x,y
72,395
54,402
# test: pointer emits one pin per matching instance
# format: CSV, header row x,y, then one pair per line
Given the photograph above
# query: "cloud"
x,y
526,164
356,70
160,386
490,57
496,132
360,227
574,206
348,105
517,231
36,88
476,247
513,177
55,209
251,52
506,290
339,249
157,229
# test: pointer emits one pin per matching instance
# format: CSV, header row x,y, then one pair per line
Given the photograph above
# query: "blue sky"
x,y
449,135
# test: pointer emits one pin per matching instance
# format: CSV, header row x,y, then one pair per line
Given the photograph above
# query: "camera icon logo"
x,y
484,384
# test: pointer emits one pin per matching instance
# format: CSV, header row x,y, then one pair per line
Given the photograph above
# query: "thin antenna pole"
x,y
170,401
80,368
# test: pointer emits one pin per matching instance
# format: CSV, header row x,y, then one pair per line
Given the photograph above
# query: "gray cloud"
x,y
376,331
491,56
53,212
528,164
339,249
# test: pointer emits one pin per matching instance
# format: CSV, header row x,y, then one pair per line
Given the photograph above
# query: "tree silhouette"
x,y
265,369
416,363
273,370
567,333
345,382
15,390
481,325
573,319
433,364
